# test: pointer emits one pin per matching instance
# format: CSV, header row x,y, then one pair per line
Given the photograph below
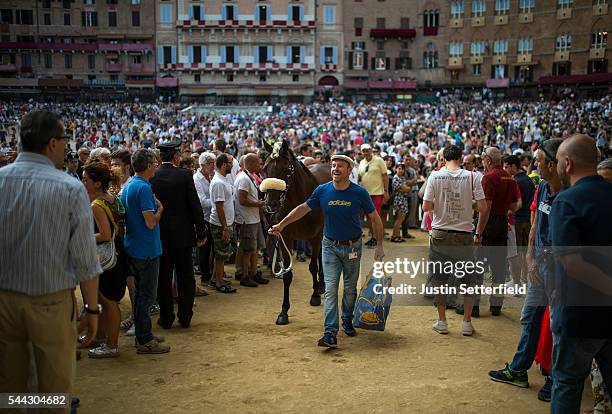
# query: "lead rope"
x,y
283,269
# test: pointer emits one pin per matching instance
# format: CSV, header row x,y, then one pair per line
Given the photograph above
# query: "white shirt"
x,y
245,214
422,148
452,193
235,169
202,186
221,190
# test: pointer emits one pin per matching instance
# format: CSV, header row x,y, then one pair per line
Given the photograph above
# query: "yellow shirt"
x,y
372,180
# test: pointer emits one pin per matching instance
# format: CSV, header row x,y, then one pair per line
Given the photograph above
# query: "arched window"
x,y
430,57
431,18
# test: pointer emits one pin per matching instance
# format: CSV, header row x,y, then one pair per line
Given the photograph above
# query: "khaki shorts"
x,y
222,249
248,237
456,248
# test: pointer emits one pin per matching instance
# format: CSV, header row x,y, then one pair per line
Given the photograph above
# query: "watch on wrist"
x,y
93,311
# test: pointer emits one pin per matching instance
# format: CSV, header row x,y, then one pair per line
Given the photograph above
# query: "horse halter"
x,y
288,179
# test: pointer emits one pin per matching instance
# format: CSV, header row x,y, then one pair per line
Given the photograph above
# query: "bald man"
x,y
492,231
248,219
581,233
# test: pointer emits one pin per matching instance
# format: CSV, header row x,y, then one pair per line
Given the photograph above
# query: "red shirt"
x,y
535,200
500,188
511,217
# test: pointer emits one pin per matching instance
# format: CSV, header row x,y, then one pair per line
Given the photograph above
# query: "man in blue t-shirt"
x,y
581,233
143,247
341,202
539,275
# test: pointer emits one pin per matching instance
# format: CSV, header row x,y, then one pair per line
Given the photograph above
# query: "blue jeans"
x,y
531,321
572,358
336,262
146,275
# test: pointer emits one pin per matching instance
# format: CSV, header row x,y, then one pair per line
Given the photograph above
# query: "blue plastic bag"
x,y
372,309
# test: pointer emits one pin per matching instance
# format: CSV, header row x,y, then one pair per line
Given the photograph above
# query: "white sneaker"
x,y
466,328
131,331
440,327
103,351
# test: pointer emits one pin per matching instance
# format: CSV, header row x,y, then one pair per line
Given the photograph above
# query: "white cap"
x,y
345,158
365,147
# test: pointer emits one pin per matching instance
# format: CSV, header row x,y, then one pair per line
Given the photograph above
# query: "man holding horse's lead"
x,y
341,202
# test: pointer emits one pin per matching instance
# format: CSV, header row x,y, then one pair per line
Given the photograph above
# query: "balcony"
x,y
501,20
9,67
104,82
136,67
77,47
246,24
430,31
61,83
564,14
600,9
476,59
109,47
562,56
573,79
392,33
525,17
142,83
597,52
235,67
137,47
329,67
498,83
112,67
499,59
478,21
456,23
167,82
387,84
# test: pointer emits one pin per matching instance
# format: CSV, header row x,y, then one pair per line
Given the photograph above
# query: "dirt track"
x,y
234,359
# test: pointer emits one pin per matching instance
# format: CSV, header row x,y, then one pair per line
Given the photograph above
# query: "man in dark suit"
x,y
182,226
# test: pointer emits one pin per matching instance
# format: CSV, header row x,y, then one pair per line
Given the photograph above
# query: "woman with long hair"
x,y
108,221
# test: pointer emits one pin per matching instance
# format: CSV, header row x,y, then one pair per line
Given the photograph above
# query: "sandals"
x,y
397,239
200,292
226,289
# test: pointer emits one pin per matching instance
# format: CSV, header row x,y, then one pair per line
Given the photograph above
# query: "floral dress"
x,y
401,200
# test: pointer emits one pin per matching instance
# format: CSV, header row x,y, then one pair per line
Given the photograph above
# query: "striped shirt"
x,y
47,239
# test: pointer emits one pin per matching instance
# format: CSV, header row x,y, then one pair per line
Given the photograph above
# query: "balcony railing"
x,y
430,31
388,84
255,24
393,33
498,83
573,79
112,67
167,82
228,67
78,47
9,67
104,82
136,67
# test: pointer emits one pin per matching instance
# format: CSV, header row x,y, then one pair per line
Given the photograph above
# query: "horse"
x,y
300,183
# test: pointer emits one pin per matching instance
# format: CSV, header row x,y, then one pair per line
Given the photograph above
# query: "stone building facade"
x,y
84,46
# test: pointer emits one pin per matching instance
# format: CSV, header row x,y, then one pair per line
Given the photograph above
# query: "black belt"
x,y
344,242
452,231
